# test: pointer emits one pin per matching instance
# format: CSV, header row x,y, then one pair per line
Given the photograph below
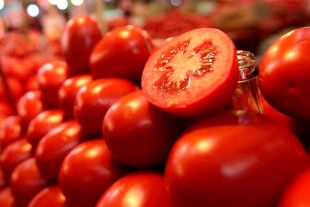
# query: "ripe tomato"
x,y
194,74
122,52
67,93
26,182
50,77
79,37
15,89
94,99
10,130
14,154
54,146
87,171
138,133
284,74
140,188
6,198
49,196
233,159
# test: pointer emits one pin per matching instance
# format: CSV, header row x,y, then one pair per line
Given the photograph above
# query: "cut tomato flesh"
x,y
194,74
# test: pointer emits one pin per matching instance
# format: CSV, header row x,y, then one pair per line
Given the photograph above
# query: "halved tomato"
x,y
194,74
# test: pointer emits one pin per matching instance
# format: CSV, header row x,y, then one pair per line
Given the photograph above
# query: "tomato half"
x,y
233,159
194,74
284,73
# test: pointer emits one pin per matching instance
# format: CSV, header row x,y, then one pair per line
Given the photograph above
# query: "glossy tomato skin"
x,y
67,93
87,171
10,130
54,146
14,154
233,159
26,182
108,60
139,134
50,77
284,74
49,196
193,75
149,184
94,99
6,198
79,37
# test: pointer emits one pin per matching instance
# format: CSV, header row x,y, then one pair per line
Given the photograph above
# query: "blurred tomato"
x,y
32,83
49,196
15,89
78,39
87,171
5,109
10,130
233,159
6,198
94,99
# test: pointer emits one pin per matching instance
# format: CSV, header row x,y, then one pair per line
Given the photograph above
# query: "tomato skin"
x,y
87,171
26,182
177,79
107,60
233,159
79,37
49,196
149,184
6,198
284,74
10,130
139,134
67,93
54,146
94,99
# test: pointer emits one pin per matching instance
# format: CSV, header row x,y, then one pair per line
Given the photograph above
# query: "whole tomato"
x,y
233,158
122,52
139,134
149,184
10,130
79,37
49,196
94,99
87,171
26,182
6,198
284,73
54,146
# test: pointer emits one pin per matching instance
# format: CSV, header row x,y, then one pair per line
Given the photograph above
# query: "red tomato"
x,y
141,188
3,181
32,83
14,154
50,77
67,93
87,171
122,52
41,124
26,182
94,99
49,196
28,106
54,146
10,130
297,192
5,109
194,74
284,74
6,198
233,159
139,134
15,89
79,37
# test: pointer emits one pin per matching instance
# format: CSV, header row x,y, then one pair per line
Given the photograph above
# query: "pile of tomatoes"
x,y
122,120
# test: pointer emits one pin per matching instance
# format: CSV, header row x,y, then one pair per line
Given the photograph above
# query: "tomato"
x,y
50,77
49,196
67,93
26,182
138,133
194,74
94,99
140,188
14,154
6,198
54,146
28,106
5,109
122,52
296,193
79,37
284,74
3,181
87,171
10,130
32,83
41,124
233,158
15,89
